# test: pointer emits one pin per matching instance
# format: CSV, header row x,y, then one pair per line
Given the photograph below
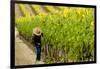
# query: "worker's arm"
x,y
42,34
32,39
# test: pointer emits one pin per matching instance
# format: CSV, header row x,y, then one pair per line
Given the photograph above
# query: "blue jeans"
x,y
38,51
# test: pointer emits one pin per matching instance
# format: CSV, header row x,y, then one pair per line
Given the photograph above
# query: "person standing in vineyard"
x,y
36,38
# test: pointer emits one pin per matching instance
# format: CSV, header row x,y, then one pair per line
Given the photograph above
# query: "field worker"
x,y
36,38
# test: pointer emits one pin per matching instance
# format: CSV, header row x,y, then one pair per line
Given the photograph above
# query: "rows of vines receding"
x,y
68,31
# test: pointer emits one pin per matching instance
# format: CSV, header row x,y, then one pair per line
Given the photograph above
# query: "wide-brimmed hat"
x,y
37,31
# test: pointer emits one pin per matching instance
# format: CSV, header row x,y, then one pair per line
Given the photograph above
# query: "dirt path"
x,y
23,54
31,11
18,13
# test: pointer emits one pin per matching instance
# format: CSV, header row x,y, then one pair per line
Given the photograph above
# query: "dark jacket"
x,y
37,39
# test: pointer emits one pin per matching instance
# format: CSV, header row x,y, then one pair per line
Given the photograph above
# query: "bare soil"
x,y
18,13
